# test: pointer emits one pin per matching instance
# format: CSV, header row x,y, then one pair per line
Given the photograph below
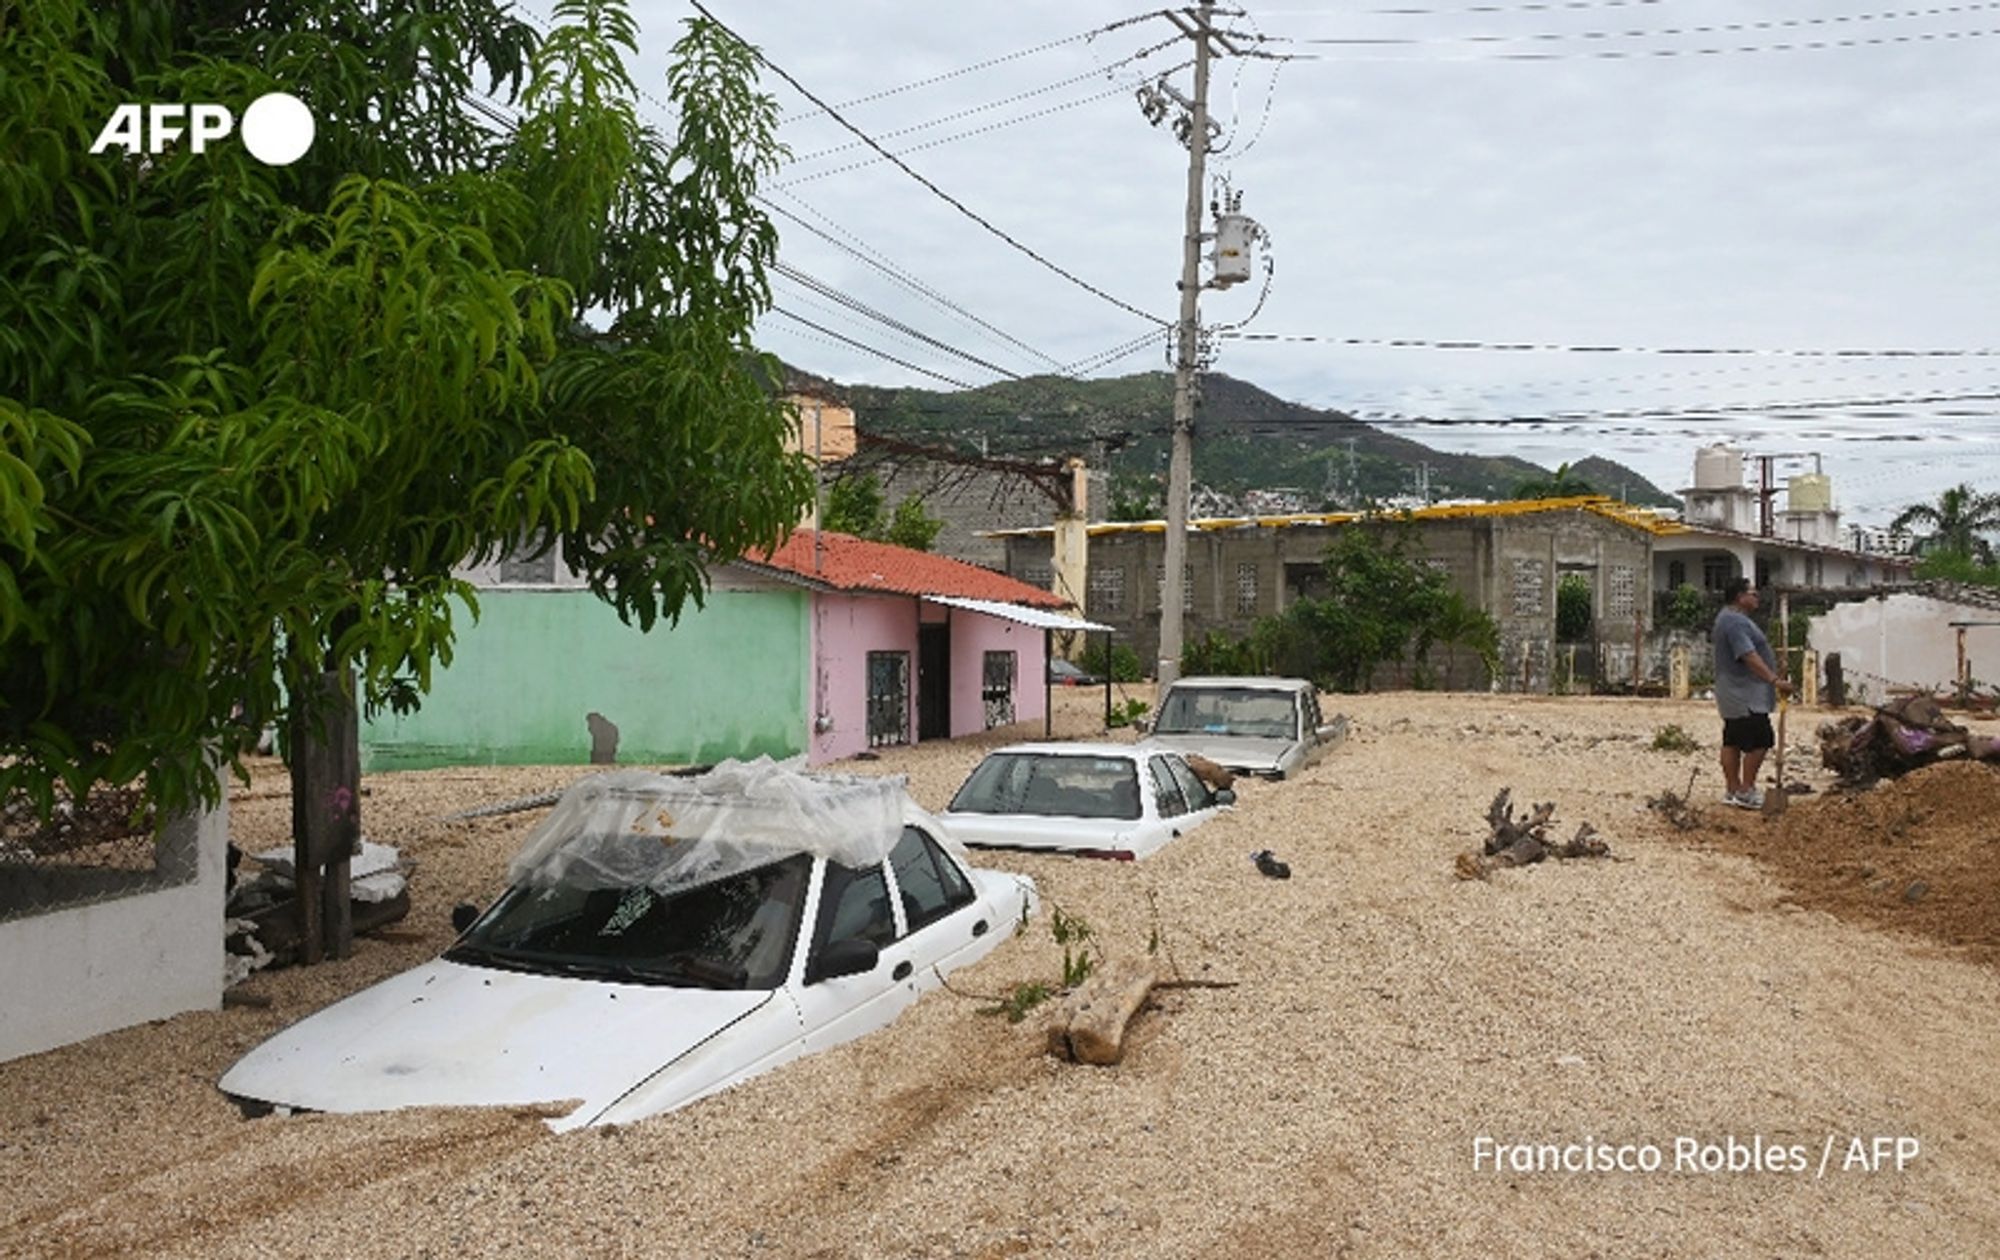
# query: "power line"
x,y
872,257
1101,72
1669,32
1118,90
1515,347
863,346
1081,36
1854,407
889,321
940,193
1652,54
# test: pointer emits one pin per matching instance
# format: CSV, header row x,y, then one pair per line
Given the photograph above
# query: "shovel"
x,y
1777,798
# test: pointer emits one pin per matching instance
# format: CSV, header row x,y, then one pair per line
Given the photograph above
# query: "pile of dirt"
x,y
1920,853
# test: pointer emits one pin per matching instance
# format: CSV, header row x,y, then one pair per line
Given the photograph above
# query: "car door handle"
x,y
902,971
979,928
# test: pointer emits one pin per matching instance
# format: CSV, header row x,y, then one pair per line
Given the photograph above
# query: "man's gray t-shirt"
x,y
1738,692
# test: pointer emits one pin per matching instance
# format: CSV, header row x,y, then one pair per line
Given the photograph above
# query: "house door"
x,y
933,682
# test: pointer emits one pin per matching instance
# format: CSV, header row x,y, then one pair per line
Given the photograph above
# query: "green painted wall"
x,y
727,681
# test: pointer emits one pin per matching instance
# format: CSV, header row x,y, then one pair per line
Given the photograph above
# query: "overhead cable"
x,y
1667,32
1121,89
1652,54
863,346
1081,36
1423,343
865,253
888,321
1102,72
936,191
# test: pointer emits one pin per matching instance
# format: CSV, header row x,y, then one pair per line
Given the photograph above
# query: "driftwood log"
x,y
1524,840
1089,1025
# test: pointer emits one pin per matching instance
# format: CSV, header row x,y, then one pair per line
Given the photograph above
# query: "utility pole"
x,y
1180,467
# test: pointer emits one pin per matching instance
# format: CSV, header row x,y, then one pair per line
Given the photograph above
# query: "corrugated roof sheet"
x,y
844,562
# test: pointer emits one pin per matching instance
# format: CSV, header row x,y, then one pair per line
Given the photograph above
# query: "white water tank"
x,y
1718,467
1809,492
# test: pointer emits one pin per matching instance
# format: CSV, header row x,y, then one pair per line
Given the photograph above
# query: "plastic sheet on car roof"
x,y
634,828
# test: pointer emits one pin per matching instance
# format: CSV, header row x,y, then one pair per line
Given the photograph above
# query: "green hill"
x,y
1246,439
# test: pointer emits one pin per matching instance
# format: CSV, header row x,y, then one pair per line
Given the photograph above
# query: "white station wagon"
x,y
663,939
1270,727
1099,800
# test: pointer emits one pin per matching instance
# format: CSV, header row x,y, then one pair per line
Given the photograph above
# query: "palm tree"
x,y
1955,522
1562,484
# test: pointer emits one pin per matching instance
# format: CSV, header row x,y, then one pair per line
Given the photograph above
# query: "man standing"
x,y
1746,691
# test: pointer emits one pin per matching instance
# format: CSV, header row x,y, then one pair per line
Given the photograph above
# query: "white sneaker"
x,y
1748,798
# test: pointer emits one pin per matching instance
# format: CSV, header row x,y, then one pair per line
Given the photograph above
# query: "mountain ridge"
x,y
1247,440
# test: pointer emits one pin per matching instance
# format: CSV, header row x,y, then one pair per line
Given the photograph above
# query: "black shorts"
x,y
1748,734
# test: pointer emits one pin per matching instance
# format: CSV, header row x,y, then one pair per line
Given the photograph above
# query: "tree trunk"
x,y
326,811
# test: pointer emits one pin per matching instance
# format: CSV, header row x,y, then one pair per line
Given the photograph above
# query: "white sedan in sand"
x,y
1097,800
626,1002
1268,727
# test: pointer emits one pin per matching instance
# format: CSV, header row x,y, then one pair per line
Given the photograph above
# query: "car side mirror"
x,y
1143,725
850,957
1227,796
463,916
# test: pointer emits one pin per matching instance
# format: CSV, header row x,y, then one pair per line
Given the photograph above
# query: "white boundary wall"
x,y
76,972
1906,640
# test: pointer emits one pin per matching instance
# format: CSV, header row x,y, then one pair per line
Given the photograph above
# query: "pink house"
x,y
906,646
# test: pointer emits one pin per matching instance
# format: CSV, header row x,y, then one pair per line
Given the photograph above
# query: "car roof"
x,y
1246,682
1076,750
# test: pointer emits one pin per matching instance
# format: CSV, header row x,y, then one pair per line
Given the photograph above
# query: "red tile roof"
x,y
855,564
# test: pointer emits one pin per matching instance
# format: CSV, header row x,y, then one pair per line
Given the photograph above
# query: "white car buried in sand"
x,y
1268,727
1098,800
663,938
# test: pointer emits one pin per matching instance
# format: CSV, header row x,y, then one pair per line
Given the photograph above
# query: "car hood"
x,y
449,1034
1235,752
1039,831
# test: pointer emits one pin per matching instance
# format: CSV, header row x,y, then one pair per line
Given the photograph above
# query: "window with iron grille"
x,y
1107,590
888,698
996,688
1246,588
1037,575
1716,572
1622,599
1187,585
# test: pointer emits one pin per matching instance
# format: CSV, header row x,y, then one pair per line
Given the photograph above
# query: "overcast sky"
x,y
1643,174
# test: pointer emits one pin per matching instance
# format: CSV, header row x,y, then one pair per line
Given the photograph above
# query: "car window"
x,y
854,905
1258,713
930,883
1051,784
1165,790
1313,718
733,933
1197,793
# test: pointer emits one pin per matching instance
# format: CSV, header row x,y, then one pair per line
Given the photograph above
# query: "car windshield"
x,y
735,933
1052,784
1246,711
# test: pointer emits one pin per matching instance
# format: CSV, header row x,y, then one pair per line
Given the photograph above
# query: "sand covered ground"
x,y
1762,982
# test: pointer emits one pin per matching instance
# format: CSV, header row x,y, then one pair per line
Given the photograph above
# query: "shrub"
x,y
1219,653
1123,666
1671,738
